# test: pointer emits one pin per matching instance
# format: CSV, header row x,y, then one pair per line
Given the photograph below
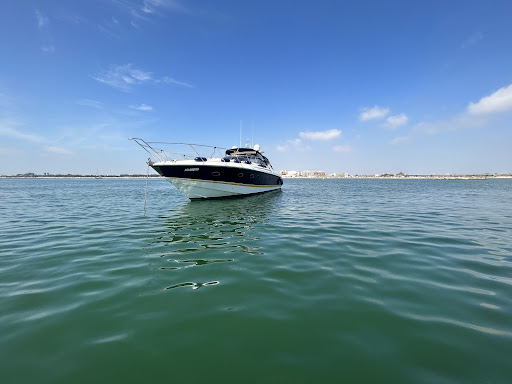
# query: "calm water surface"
x,y
402,281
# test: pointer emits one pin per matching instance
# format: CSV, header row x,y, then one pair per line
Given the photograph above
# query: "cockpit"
x,y
246,155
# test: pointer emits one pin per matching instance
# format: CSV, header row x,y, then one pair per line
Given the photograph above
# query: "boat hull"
x,y
210,181
196,189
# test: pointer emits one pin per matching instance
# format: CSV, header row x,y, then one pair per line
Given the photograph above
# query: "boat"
x,y
223,173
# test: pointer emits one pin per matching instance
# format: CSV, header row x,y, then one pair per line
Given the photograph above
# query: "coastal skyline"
x,y
361,87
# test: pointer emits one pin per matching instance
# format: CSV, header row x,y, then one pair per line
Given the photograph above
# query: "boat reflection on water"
x,y
211,234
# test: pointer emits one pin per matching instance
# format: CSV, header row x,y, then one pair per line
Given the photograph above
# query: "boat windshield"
x,y
247,155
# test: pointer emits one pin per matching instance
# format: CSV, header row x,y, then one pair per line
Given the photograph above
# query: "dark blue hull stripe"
x,y
219,174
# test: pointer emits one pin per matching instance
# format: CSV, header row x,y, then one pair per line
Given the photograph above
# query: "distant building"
x,y
312,174
289,173
339,175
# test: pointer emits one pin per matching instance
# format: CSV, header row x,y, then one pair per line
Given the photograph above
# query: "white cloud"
x,y
321,135
296,144
138,75
142,107
373,113
58,150
342,148
477,115
400,140
124,77
396,121
499,101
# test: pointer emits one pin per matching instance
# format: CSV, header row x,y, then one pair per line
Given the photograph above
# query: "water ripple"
x,y
321,281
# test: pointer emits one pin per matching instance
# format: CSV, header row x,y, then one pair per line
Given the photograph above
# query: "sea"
x,y
326,281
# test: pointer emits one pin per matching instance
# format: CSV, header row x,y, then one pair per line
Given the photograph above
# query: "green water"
x,y
400,281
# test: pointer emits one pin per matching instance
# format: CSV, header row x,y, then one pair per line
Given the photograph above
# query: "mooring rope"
x,y
146,192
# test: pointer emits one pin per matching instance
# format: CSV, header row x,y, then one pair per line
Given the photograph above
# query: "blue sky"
x,y
353,86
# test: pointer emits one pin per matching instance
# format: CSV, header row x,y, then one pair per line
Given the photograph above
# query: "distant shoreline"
x,y
387,177
408,177
81,177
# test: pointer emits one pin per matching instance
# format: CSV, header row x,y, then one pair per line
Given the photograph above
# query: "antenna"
x,y
240,134
252,134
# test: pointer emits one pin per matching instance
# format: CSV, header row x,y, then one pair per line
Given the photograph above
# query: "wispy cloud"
x,y
373,113
8,131
342,148
461,121
109,29
124,77
134,24
472,40
400,140
43,22
58,150
169,80
497,102
144,11
69,16
152,6
48,48
90,103
396,121
321,135
142,107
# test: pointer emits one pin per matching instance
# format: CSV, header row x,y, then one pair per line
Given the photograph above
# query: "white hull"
x,y
206,189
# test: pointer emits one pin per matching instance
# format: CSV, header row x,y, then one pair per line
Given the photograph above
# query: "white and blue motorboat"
x,y
223,173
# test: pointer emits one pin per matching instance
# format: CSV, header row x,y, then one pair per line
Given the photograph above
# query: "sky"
x,y
364,87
